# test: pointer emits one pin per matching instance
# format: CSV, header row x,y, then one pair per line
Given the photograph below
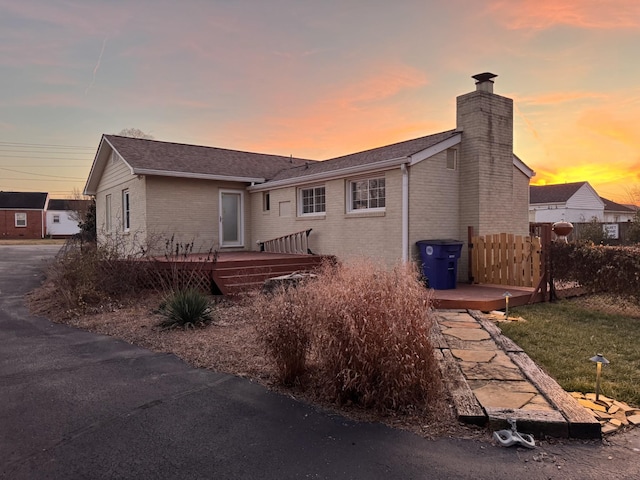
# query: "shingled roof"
x,y
23,200
387,152
611,206
152,156
553,193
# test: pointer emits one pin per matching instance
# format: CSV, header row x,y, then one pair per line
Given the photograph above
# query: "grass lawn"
x,y
562,336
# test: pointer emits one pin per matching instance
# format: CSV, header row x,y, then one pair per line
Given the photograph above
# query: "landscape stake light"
x,y
506,296
599,360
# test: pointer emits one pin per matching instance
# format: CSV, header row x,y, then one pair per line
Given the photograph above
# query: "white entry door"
x,y
231,218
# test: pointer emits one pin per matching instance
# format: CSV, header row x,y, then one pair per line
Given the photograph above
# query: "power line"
x,y
44,145
42,166
40,174
79,180
40,152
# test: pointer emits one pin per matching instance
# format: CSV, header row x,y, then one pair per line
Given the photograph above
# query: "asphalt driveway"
x,y
79,405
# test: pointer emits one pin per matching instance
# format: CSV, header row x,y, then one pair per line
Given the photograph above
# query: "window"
x,y
312,200
126,220
21,219
266,201
452,159
367,194
56,219
107,213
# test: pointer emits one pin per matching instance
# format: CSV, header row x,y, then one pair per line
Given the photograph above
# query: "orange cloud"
x,y
588,14
604,122
362,114
555,98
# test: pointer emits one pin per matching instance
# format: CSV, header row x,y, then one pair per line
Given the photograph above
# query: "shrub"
x,y
285,330
593,231
84,275
599,268
185,309
366,329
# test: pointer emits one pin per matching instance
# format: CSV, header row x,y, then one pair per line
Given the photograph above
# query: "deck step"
x,y
233,277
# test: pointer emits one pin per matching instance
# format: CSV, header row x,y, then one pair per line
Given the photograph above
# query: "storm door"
x,y
231,218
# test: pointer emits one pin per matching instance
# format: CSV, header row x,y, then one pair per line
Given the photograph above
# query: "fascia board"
x,y
200,176
520,165
97,168
91,185
549,204
332,175
435,149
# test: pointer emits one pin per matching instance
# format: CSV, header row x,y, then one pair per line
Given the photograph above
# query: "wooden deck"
x,y
483,297
239,271
234,272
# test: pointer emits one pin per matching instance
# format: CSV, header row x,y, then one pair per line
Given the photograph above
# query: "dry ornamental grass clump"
x,y
358,334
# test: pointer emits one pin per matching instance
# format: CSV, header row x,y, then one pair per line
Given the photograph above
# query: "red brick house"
x,y
23,215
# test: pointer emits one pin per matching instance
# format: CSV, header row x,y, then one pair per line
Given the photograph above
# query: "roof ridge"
x,y
209,147
451,131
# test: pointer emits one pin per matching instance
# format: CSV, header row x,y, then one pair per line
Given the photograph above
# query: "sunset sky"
x,y
316,79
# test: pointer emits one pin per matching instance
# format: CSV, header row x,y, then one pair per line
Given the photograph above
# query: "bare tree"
x,y
135,133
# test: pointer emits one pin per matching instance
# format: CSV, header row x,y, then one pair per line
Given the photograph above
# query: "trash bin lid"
x,y
445,241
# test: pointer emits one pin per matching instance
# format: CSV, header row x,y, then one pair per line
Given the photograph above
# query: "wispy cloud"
x,y
557,98
587,14
97,67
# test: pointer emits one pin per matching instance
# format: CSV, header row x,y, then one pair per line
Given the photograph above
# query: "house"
x,y
574,202
63,217
377,203
616,212
22,214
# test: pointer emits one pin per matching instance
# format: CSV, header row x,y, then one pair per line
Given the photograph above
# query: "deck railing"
x,y
293,243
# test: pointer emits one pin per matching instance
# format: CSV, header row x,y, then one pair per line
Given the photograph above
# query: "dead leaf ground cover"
x,y
229,344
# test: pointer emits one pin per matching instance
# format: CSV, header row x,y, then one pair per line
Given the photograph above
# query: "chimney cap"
x,y
484,77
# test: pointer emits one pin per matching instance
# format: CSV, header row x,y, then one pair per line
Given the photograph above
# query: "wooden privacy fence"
x,y
506,259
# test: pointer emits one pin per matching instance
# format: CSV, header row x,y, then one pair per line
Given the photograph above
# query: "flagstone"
x,y
634,419
468,333
496,396
473,355
591,405
459,324
503,360
484,371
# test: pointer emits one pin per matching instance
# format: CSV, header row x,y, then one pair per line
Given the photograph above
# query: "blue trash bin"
x,y
440,262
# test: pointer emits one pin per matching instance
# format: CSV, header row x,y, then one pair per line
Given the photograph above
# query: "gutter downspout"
x,y
405,212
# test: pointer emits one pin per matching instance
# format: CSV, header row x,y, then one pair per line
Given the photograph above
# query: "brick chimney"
x,y
485,159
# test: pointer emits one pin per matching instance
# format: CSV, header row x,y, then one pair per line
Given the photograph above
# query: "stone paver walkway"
x,y
494,379
490,366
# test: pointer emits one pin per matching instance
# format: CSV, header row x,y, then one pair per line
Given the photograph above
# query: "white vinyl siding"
x,y
107,213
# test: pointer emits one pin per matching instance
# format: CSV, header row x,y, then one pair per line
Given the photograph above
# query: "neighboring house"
x,y
63,217
376,203
22,214
616,212
574,202
569,202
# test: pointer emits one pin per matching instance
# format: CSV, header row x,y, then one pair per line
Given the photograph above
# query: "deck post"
x,y
470,235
